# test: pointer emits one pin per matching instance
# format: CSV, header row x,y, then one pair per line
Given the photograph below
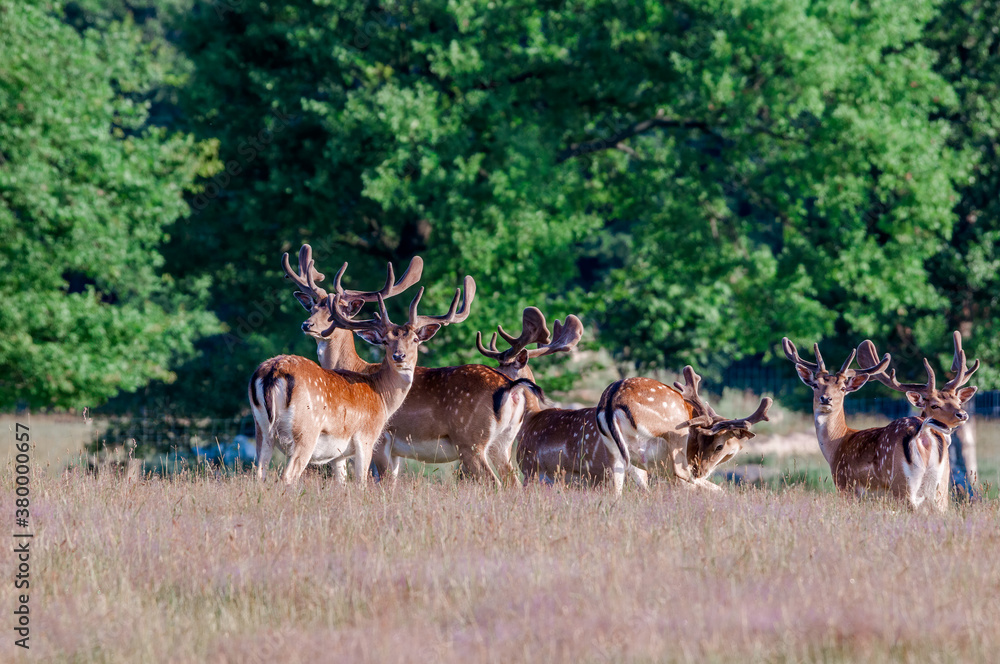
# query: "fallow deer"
x,y
336,350
513,363
882,460
712,439
651,426
450,413
925,440
316,415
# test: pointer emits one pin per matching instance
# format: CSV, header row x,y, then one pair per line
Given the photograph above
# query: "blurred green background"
x,y
694,179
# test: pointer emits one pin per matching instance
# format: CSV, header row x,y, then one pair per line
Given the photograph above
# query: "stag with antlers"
x,y
336,349
894,459
650,426
513,363
451,413
925,440
316,415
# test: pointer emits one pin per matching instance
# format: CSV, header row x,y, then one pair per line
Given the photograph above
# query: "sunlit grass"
x,y
206,568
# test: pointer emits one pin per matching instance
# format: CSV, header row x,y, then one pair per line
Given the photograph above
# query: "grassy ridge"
x,y
224,569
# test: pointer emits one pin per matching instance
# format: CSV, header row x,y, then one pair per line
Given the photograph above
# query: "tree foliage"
x,y
696,179
87,192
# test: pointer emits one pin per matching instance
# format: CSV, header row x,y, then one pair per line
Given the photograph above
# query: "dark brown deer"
x,y
513,363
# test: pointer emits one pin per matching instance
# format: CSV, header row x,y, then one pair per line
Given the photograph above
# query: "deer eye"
x,y
719,447
934,406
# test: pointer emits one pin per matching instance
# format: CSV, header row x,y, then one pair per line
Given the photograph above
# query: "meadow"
x,y
216,567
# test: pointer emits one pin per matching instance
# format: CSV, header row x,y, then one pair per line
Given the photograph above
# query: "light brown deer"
x,y
316,415
925,464
883,460
336,350
712,439
653,427
428,426
469,413
514,364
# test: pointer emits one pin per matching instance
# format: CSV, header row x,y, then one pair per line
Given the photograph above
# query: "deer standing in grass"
x,y
514,364
316,415
650,426
336,350
890,460
924,441
450,413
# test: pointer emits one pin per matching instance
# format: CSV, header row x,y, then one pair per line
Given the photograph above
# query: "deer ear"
x,y
353,307
304,300
520,360
855,383
805,375
967,393
916,399
744,433
374,337
427,331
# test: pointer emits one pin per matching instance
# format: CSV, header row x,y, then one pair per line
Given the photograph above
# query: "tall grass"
x,y
223,569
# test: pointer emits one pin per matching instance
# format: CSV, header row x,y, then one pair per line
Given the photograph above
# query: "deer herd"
x,y
378,414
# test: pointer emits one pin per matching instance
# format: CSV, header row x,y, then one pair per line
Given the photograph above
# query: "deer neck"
x,y
337,352
831,430
391,386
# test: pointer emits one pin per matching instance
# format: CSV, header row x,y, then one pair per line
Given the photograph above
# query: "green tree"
x,y
966,271
696,178
88,190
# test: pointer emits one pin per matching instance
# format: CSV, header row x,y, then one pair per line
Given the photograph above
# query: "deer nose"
x,y
826,401
398,357
962,415
306,326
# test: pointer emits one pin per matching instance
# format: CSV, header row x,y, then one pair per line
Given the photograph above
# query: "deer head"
x,y
945,407
514,360
400,341
712,439
349,302
829,389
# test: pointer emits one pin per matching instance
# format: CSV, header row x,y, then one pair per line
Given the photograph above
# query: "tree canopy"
x,y
87,193
694,179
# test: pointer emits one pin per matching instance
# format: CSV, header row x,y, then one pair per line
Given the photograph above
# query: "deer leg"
x,y
382,458
303,446
500,455
639,476
618,471
363,449
475,464
340,471
678,456
265,447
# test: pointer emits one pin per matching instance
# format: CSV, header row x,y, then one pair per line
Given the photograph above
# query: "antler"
x,y
792,353
533,330
564,339
454,315
307,276
705,416
867,354
845,369
758,415
962,372
412,275
381,321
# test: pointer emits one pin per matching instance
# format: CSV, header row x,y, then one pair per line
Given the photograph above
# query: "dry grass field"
x,y
219,568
